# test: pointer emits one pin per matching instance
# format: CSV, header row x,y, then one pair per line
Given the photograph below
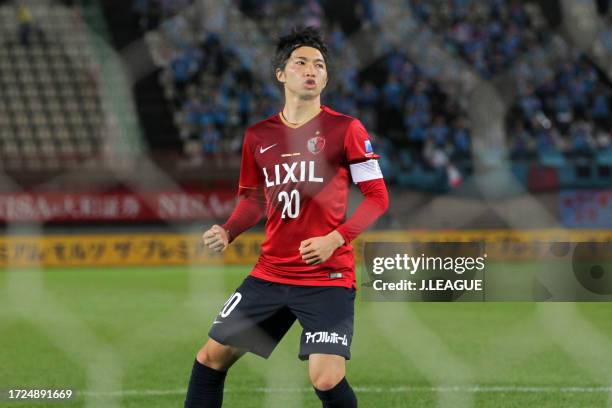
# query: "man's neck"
x,y
298,111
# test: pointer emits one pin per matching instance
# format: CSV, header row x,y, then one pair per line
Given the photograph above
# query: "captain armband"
x,y
365,171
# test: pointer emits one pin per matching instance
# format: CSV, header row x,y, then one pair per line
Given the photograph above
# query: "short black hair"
x,y
299,37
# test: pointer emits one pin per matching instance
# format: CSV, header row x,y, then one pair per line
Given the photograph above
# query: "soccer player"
x,y
296,170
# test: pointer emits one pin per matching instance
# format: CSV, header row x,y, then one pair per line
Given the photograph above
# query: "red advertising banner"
x,y
116,206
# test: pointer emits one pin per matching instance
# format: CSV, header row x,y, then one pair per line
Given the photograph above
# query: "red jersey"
x,y
304,173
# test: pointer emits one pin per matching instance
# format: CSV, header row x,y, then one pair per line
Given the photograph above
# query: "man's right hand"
x,y
216,238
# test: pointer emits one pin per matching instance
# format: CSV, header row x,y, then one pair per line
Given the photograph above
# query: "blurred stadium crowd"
x,y
419,118
421,121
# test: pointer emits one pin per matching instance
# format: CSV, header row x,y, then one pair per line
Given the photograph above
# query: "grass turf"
x,y
134,331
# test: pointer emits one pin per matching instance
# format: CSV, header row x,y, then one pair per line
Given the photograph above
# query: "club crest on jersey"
x,y
316,144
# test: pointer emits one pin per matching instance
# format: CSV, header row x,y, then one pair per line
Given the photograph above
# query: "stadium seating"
x,y
50,113
566,117
207,80
491,37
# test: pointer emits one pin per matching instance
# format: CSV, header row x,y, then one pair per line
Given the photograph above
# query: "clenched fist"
x,y
216,238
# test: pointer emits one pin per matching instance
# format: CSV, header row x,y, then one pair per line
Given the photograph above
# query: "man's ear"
x,y
280,75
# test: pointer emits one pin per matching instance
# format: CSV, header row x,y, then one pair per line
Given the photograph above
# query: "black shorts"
x,y
259,313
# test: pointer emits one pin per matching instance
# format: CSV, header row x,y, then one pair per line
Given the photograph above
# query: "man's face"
x,y
305,73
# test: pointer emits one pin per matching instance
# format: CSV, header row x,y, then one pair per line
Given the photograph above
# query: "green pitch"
x,y
126,337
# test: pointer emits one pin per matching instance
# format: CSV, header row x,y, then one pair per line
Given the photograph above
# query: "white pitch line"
x,y
366,390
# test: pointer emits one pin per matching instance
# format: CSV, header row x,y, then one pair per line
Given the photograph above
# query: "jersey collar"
x,y
289,125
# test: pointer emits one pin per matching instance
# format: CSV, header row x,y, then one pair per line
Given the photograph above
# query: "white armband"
x,y
365,171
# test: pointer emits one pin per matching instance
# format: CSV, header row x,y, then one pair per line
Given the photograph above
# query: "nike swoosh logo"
x,y
262,150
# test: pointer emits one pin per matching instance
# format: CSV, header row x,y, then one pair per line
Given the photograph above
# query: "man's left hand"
x,y
318,249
